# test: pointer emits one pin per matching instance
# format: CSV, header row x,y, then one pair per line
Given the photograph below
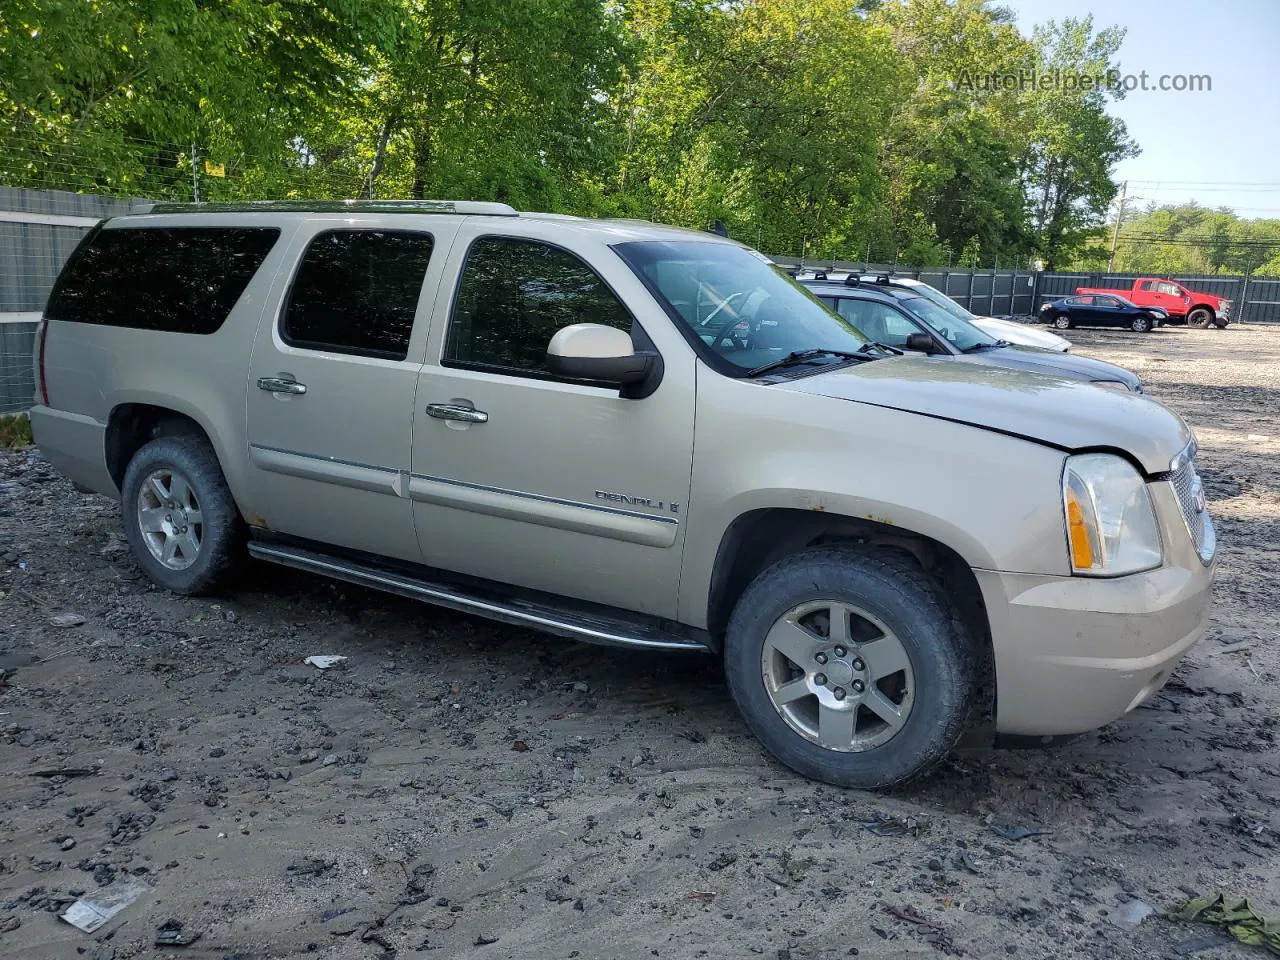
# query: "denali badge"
x,y
637,501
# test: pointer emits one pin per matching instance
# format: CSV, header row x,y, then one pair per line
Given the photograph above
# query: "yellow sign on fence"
x,y
215,169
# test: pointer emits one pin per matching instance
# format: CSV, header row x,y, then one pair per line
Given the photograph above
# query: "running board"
x,y
548,617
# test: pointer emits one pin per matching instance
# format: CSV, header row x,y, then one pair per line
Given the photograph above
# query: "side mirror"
x,y
921,342
592,351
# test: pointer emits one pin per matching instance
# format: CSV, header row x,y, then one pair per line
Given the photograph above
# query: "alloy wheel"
x,y
170,518
838,676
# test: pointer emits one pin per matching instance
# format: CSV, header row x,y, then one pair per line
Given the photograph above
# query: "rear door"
x,y
332,381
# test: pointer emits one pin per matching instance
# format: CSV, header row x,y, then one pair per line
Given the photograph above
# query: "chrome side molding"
x,y
544,616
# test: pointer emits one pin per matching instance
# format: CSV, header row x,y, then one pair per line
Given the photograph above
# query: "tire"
x,y
1141,324
1062,322
1201,317
931,698
206,550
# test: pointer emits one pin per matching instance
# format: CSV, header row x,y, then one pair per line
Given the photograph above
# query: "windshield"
x,y
742,308
959,332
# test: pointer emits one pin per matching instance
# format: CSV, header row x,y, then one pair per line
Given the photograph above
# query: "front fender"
x,y
993,499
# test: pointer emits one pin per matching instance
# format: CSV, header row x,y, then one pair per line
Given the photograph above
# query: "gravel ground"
x,y
465,789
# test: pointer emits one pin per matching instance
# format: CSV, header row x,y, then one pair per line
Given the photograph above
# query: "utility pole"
x,y
1115,234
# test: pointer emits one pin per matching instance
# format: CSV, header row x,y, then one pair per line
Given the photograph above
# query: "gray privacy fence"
x,y
1021,292
1253,299
39,229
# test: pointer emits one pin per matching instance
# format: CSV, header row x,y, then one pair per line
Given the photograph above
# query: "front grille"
x,y
1195,511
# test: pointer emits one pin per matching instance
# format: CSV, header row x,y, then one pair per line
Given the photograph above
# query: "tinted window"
x,y
515,294
174,279
1148,285
356,291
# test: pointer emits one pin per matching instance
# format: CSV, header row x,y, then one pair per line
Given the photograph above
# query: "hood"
x,y
1208,299
1023,334
1068,366
1062,413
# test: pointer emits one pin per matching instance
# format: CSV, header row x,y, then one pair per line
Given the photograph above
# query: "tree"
x,y
1074,143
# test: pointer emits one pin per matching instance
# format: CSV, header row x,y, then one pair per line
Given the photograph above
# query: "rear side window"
x,y
171,279
356,291
514,295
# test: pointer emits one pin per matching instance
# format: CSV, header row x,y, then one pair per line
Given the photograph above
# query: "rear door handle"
x,y
281,385
456,411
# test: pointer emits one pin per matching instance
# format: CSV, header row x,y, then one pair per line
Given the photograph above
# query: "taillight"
x,y
42,334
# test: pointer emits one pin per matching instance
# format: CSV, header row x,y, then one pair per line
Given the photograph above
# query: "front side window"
x,y
745,312
958,332
1172,289
356,291
877,321
513,297
169,279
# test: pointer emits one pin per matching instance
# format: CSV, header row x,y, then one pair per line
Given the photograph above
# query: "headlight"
x,y
1111,524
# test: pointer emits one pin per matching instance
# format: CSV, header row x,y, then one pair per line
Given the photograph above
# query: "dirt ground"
x,y
465,789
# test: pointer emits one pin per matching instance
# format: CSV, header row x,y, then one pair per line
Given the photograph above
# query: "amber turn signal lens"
x,y
1081,550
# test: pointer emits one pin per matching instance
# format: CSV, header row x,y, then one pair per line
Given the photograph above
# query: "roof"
x,y
616,230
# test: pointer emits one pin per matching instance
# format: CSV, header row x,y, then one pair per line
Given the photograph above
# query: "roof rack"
x,y
463,207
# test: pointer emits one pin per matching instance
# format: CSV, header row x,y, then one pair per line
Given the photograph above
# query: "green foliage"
x,y
15,431
816,127
1192,240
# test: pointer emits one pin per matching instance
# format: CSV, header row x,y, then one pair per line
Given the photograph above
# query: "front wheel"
x,y
1140,324
1201,317
1062,322
846,663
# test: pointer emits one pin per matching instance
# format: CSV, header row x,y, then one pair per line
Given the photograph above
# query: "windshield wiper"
x,y
804,356
985,346
883,346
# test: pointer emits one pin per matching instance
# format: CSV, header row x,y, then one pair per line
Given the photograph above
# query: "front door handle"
x,y
281,385
456,411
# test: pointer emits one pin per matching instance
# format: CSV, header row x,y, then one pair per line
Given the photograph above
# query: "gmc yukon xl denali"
x,y
634,435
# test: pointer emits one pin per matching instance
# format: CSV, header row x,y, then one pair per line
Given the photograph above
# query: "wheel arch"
x,y
133,423
757,539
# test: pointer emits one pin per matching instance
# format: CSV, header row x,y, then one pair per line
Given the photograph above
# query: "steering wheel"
x,y
722,332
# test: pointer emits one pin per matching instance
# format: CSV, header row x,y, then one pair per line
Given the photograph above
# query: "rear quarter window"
x,y
170,279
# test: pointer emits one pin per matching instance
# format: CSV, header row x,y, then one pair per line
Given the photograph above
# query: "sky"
x,y
1220,147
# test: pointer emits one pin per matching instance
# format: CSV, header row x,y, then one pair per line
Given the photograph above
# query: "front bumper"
x,y
1075,653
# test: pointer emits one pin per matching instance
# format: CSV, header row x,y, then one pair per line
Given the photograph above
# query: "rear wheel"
x,y
848,666
1140,324
179,516
1062,322
1201,317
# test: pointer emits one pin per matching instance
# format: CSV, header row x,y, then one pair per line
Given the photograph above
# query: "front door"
x,y
331,386
528,479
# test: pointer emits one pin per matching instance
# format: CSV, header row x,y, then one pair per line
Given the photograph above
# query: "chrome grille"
x,y
1195,511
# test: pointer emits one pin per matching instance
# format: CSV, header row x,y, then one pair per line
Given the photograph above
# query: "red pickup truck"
x,y
1183,305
